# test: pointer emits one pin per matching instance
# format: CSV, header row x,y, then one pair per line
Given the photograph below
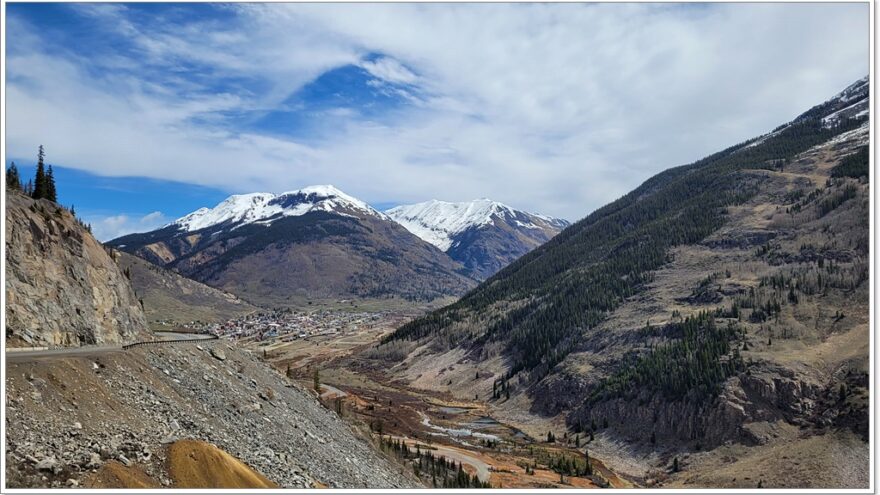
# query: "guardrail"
x,y
179,341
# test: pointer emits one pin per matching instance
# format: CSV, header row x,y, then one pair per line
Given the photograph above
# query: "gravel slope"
x,y
67,417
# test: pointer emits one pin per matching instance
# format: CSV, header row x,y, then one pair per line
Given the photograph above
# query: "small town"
x,y
287,325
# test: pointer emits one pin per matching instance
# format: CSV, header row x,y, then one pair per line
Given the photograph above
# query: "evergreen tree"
x,y
13,181
29,188
51,193
40,188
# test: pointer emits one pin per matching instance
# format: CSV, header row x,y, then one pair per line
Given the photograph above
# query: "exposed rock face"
x,y
62,286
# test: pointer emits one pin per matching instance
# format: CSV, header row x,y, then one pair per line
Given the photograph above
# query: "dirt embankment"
x,y
195,464
189,464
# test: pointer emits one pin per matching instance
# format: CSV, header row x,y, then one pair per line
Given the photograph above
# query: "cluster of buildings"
x,y
288,325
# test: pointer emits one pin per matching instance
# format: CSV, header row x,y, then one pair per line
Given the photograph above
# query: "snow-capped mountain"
x,y
313,243
265,208
484,235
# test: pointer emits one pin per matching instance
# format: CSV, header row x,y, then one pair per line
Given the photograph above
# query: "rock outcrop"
x,y
62,286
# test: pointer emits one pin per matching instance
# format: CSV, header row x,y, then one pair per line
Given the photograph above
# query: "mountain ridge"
x,y
313,243
482,234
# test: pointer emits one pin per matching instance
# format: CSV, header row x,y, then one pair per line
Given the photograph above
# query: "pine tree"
x,y
51,193
13,181
40,177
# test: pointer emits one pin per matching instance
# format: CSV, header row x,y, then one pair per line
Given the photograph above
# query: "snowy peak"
x,y
239,208
439,222
264,208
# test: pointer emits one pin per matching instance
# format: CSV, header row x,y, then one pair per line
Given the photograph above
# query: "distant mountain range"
x,y
483,235
319,242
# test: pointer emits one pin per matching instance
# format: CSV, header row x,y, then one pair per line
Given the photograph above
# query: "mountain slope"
x,y
483,235
169,296
313,243
722,301
62,286
74,415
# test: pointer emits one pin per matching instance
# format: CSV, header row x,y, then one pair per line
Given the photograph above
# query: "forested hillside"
x,y
541,302
721,303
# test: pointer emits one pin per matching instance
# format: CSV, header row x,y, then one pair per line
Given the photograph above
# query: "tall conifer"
x,y
40,178
51,193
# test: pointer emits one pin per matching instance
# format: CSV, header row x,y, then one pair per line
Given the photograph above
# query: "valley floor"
x,y
459,430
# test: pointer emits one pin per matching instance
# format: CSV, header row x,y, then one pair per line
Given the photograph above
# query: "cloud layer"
x,y
552,108
106,228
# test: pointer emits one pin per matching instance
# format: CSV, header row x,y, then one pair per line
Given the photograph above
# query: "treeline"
x,y
570,283
443,472
42,186
693,366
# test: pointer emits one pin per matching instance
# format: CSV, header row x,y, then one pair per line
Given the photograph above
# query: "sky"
x,y
150,111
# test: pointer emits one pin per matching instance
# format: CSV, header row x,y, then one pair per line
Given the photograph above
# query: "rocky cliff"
x,y
62,286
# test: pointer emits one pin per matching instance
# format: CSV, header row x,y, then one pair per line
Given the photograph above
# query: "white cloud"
x,y
105,228
390,70
555,108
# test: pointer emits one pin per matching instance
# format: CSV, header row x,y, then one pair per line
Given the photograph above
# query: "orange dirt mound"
x,y
116,475
196,464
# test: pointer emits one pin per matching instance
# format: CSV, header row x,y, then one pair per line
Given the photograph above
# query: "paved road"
x,y
92,350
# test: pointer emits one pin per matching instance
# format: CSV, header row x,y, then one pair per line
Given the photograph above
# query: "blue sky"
x,y
149,111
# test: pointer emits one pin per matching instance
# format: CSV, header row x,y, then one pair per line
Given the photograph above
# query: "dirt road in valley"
x,y
480,467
